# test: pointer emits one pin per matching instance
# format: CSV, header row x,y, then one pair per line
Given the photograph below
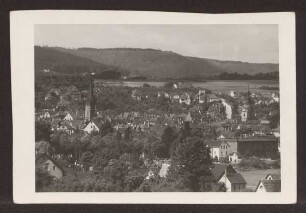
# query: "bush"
x,y
253,163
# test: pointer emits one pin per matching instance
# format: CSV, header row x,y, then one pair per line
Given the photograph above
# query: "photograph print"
x,y
157,108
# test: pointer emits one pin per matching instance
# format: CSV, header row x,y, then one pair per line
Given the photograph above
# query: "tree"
x,y
191,163
115,174
86,159
42,179
42,131
106,128
127,134
167,138
274,120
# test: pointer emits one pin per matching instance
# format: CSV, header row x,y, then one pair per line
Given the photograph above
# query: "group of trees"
x,y
115,159
237,76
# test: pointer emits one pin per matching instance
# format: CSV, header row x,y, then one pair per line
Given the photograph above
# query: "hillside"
x,y
154,64
59,62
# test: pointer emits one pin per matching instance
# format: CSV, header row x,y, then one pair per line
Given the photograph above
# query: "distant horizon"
x,y
137,48
252,43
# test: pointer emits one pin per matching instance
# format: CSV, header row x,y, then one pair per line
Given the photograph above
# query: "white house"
x,y
68,117
219,149
232,94
227,175
273,177
91,127
268,186
47,164
164,170
234,158
185,98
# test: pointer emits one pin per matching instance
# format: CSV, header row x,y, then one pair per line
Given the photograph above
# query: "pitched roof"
x,y
235,178
274,176
219,170
44,155
213,143
212,96
271,185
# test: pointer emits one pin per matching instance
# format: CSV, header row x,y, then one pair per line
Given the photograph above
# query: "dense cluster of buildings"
x,y
234,135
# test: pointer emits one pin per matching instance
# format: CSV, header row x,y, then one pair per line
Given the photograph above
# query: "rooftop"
x,y
271,185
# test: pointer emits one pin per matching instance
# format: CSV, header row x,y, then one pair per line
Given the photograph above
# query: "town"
x,y
106,137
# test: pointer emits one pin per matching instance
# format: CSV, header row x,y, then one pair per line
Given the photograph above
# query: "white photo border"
x,y
22,77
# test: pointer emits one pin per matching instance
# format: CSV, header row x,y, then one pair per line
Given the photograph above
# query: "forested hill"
x,y
58,62
150,63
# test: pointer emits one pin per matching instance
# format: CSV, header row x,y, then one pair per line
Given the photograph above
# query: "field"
x,y
253,177
219,86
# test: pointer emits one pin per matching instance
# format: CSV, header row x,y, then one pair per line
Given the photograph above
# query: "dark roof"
x,y
39,156
257,139
235,178
219,170
271,185
212,96
213,143
274,176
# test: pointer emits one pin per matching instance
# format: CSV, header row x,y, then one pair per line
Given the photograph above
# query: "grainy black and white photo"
x,y
157,108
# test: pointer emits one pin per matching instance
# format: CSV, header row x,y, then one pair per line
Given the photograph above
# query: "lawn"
x,y
254,176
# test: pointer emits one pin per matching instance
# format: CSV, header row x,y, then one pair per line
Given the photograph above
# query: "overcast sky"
x,y
248,43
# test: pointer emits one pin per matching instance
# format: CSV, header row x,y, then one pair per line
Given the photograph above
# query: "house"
x,y
146,173
65,126
174,97
234,157
185,98
273,177
43,147
259,130
232,142
219,149
202,98
226,135
269,186
47,164
68,117
275,97
212,97
164,170
276,132
227,175
136,95
163,95
45,114
232,94
91,127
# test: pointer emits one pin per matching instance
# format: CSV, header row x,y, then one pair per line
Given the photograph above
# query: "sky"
x,y
247,43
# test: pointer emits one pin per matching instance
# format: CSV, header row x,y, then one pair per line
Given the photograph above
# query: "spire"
x,y
248,88
92,101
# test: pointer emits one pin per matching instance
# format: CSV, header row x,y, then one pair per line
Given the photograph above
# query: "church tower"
x,y
90,107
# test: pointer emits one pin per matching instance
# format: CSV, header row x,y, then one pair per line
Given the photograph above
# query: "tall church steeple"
x,y
90,108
